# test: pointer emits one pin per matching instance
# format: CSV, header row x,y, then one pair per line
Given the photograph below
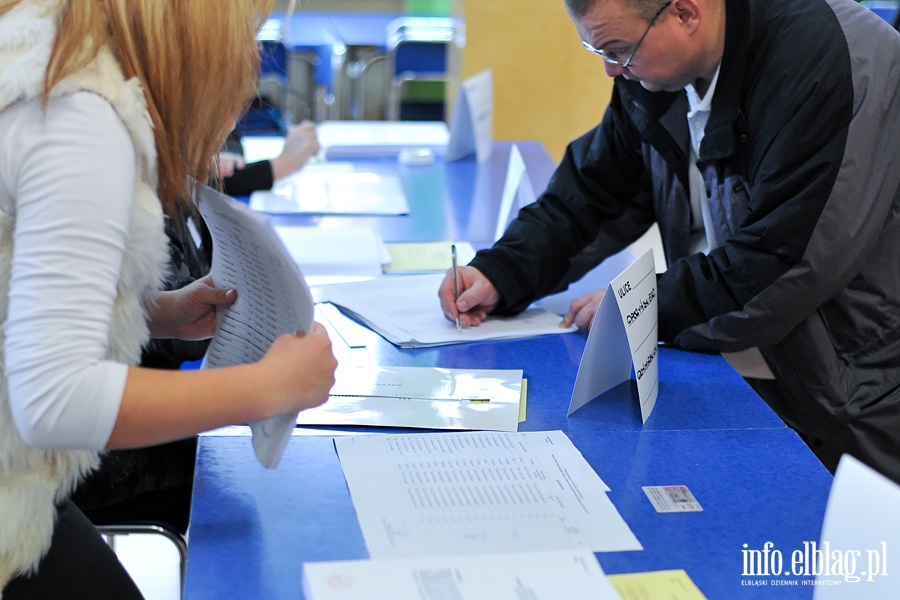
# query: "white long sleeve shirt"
x,y
68,175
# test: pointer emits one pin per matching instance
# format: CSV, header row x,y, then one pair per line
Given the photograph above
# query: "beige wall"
x,y
546,87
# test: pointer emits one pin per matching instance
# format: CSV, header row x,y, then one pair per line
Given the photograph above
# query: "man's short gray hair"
x,y
644,9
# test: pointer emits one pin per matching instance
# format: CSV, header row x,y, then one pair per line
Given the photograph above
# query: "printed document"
x,y
443,494
572,575
404,309
422,397
272,300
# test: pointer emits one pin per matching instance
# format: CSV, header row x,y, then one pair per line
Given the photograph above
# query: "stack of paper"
x,y
405,311
273,299
426,397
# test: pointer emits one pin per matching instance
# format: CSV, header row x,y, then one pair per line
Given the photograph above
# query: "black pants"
x,y
79,566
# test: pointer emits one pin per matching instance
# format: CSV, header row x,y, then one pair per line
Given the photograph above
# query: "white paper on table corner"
x,y
273,299
861,517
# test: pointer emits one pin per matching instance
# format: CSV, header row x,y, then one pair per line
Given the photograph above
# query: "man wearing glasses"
x,y
763,137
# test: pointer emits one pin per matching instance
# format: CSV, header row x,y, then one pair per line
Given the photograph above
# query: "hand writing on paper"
x,y
582,310
477,297
300,370
189,313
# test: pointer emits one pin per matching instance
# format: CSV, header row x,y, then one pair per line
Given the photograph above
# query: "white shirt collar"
x,y
705,103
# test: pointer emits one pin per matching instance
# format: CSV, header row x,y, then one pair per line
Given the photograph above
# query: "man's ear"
x,y
689,13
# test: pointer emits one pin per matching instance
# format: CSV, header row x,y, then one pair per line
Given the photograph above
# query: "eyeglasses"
x,y
612,58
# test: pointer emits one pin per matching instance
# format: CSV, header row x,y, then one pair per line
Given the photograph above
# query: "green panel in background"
x,y
437,8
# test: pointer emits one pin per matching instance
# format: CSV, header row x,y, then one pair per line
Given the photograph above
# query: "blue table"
x,y
252,529
454,201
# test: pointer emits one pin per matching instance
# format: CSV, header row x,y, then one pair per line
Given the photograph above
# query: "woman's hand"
x,y
189,313
299,370
227,163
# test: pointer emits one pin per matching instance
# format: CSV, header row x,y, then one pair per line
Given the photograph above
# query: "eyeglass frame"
x,y
627,63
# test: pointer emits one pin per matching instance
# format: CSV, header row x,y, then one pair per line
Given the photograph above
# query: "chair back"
x,y
417,49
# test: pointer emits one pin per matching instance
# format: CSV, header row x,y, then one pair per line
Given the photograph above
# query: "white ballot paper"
x,y
472,125
623,336
443,494
425,397
404,309
858,555
272,300
517,191
571,575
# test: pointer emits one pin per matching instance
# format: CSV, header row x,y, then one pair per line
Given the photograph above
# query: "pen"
x,y
455,285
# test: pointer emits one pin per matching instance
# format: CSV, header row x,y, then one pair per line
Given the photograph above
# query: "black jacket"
x,y
800,158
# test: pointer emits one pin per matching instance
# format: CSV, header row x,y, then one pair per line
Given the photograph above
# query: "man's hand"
x,y
582,310
477,297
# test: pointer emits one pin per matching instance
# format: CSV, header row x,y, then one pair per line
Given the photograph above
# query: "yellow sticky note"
x,y
425,256
523,400
672,585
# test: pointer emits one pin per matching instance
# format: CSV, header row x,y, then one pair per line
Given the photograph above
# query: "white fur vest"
x,y
32,481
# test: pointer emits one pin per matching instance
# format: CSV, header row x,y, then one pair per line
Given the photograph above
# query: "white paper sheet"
x,y
423,397
334,255
442,494
472,125
272,300
405,310
859,552
572,575
355,139
333,188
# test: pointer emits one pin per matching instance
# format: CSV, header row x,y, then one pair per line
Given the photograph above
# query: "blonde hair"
x,y
197,62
